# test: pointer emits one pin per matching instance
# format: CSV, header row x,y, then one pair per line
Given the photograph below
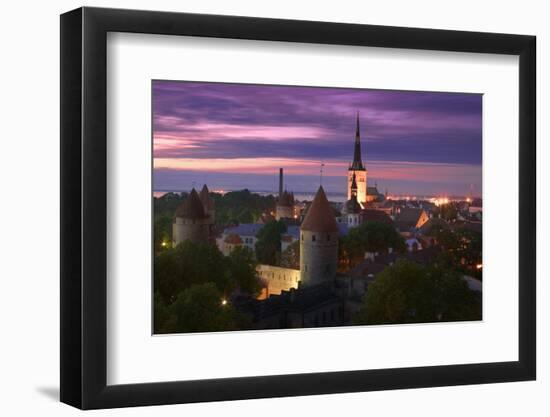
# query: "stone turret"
x,y
191,222
209,208
318,242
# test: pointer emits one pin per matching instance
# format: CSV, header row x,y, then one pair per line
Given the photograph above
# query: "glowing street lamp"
x,y
224,302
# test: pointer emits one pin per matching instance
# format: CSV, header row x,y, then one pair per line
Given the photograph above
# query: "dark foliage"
x,y
408,292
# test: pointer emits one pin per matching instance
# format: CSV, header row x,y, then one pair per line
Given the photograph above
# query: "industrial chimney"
x,y
280,182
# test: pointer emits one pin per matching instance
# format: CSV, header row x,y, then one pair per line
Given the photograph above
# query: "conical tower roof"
x,y
206,201
320,216
192,207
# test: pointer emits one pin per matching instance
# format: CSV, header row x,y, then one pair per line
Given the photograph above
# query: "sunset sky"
x,y
234,136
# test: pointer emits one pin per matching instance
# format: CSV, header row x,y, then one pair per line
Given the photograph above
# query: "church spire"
x,y
357,163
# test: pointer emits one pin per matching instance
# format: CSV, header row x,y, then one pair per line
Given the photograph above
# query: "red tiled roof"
x,y
233,239
320,216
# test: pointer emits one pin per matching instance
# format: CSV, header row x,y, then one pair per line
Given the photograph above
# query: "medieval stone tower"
x,y
358,169
191,222
318,242
208,206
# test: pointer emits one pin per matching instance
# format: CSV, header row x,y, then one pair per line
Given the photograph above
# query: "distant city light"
x,y
224,302
163,244
479,266
440,201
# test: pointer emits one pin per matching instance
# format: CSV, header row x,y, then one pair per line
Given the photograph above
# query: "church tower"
x,y
357,169
352,209
318,242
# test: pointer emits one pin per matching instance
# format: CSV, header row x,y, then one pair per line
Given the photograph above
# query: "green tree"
x,y
290,258
202,308
162,232
187,264
370,237
407,292
242,269
463,248
163,319
268,245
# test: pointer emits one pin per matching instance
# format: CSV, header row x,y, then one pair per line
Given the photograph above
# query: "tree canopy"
x,y
462,248
268,245
407,292
201,308
370,237
290,258
190,265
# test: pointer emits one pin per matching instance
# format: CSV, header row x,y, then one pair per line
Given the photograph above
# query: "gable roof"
x,y
372,215
408,217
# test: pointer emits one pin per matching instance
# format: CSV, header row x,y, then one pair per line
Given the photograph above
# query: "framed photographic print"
x,y
258,208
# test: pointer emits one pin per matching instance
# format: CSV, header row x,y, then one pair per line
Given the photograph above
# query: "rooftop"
x,y
191,208
320,215
244,229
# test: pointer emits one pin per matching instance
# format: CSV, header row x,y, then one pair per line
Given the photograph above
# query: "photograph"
x,y
281,207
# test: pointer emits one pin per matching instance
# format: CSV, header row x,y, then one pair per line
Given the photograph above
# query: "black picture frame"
x,y
84,207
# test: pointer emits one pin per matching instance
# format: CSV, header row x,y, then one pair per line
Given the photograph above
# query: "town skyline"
x,y
415,143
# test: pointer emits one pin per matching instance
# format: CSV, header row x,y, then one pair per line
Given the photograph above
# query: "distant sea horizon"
x,y
302,196
305,186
